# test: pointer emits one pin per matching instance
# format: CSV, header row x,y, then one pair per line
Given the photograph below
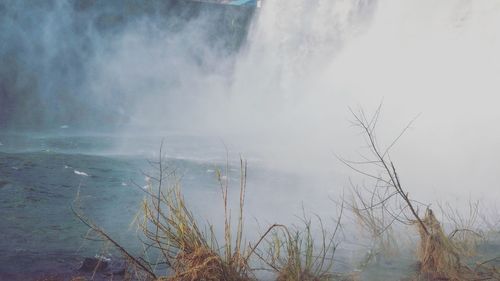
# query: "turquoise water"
x,y
41,176
39,231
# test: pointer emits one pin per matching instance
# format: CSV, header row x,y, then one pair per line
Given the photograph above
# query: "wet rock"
x,y
117,272
3,183
94,264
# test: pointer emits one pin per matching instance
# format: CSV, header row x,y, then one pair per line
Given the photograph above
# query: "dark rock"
x,y
118,272
94,264
3,183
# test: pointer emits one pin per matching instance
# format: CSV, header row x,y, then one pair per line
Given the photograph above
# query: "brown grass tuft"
x,y
199,264
436,253
190,253
176,248
297,256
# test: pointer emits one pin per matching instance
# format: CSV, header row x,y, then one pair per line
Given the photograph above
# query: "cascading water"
x,y
306,62
273,83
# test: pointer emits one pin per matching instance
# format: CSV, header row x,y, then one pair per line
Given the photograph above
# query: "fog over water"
x,y
89,88
274,84
286,96
52,53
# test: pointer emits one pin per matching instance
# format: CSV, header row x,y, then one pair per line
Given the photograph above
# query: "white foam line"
x,y
80,173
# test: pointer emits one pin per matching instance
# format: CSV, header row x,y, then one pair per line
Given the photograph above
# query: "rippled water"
x,y
39,181
41,176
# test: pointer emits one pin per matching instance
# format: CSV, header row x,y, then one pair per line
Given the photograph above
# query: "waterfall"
x,y
306,62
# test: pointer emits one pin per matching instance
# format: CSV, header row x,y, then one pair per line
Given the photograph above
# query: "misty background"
x,y
52,53
274,84
90,88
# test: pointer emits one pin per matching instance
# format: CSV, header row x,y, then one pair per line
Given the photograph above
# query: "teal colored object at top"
x,y
248,3
243,2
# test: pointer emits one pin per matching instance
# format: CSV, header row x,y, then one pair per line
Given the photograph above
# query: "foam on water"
x,y
80,173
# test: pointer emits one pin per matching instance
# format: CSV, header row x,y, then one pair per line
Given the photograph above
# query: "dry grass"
x,y
196,255
374,223
437,255
300,254
191,253
294,258
174,239
440,255
465,234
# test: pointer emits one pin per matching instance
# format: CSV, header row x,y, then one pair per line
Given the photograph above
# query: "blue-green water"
x,y
38,229
41,176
